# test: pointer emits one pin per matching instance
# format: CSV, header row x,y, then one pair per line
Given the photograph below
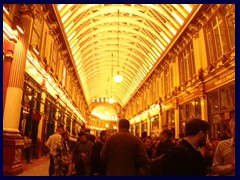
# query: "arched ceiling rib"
x,y
142,32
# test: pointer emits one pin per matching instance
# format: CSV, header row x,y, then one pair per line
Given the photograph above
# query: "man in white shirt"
x,y
224,157
50,144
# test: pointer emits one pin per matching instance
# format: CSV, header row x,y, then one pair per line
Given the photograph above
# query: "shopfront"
x,y
144,125
221,108
30,110
132,129
155,125
170,118
188,110
137,129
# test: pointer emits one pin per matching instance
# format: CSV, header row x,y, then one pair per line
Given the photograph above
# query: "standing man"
x,y
122,152
224,157
82,154
27,146
185,159
62,156
98,167
50,144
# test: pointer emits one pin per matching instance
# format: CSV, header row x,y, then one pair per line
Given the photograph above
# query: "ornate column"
x,y
12,140
160,115
203,102
176,117
8,49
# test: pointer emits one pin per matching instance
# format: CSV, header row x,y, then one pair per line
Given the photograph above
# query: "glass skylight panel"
x,y
165,37
157,53
75,50
187,7
60,6
179,9
160,45
65,17
71,36
76,56
151,56
68,27
177,17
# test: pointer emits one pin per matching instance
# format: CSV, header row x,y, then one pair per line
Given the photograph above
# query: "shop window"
x,y
137,130
188,112
144,125
214,122
225,99
182,127
191,109
155,124
213,102
198,107
170,116
182,112
132,129
221,108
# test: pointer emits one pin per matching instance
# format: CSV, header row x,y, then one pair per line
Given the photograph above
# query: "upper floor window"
x,y
54,56
167,80
37,33
64,76
220,34
187,63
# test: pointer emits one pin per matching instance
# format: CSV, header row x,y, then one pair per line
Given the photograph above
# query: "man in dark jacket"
x,y
123,151
166,142
185,159
82,155
98,167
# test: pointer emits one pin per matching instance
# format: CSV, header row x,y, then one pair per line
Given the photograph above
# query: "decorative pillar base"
x,y
13,144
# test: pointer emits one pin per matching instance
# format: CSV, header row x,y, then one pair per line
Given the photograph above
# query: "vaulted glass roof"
x,y
129,39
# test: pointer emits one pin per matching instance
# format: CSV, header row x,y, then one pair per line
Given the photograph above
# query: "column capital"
x,y
8,49
193,30
29,9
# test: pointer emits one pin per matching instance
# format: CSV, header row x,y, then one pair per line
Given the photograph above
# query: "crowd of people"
x,y
124,154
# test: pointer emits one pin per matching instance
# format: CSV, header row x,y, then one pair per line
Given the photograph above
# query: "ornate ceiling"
x,y
127,38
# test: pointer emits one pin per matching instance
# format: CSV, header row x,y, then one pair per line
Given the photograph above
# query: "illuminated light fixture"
x,y
118,78
111,100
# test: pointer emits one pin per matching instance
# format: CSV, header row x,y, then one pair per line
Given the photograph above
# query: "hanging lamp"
x,y
118,78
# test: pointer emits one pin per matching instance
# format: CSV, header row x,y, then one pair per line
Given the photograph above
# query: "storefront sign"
x,y
224,79
219,81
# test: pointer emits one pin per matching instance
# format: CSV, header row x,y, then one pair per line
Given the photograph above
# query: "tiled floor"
x,y
38,167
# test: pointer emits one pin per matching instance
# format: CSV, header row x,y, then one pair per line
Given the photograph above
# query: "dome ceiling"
x,y
129,39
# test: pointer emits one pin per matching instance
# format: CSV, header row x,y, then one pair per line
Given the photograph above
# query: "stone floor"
x,y
37,167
